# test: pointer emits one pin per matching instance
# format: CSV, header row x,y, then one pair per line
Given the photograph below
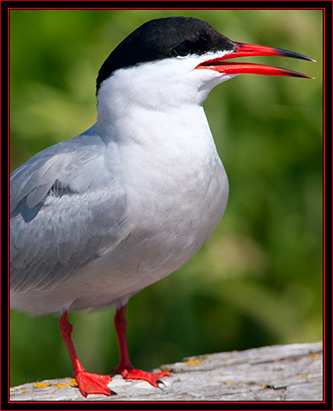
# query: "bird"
x,y
96,218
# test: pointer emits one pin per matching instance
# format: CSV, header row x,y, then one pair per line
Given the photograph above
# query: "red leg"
x,y
125,366
88,383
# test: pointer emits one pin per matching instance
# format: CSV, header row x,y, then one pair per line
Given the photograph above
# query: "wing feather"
x,y
66,209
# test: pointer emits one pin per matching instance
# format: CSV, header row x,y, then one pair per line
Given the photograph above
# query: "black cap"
x,y
162,38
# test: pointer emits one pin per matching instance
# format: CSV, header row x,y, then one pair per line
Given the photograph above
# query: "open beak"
x,y
245,50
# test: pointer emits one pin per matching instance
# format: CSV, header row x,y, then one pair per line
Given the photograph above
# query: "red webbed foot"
x,y
90,383
154,378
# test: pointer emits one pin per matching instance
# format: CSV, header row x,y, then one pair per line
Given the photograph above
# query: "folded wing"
x,y
66,210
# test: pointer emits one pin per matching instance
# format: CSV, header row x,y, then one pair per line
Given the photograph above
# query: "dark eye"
x,y
182,50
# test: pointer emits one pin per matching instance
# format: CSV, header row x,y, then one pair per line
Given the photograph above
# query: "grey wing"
x,y
65,211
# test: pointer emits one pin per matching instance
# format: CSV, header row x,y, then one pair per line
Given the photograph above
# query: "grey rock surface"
x,y
276,373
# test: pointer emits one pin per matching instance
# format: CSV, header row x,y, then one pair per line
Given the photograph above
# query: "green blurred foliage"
x,y
258,280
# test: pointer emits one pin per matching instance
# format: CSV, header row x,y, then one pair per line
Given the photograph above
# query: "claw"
x,y
158,382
